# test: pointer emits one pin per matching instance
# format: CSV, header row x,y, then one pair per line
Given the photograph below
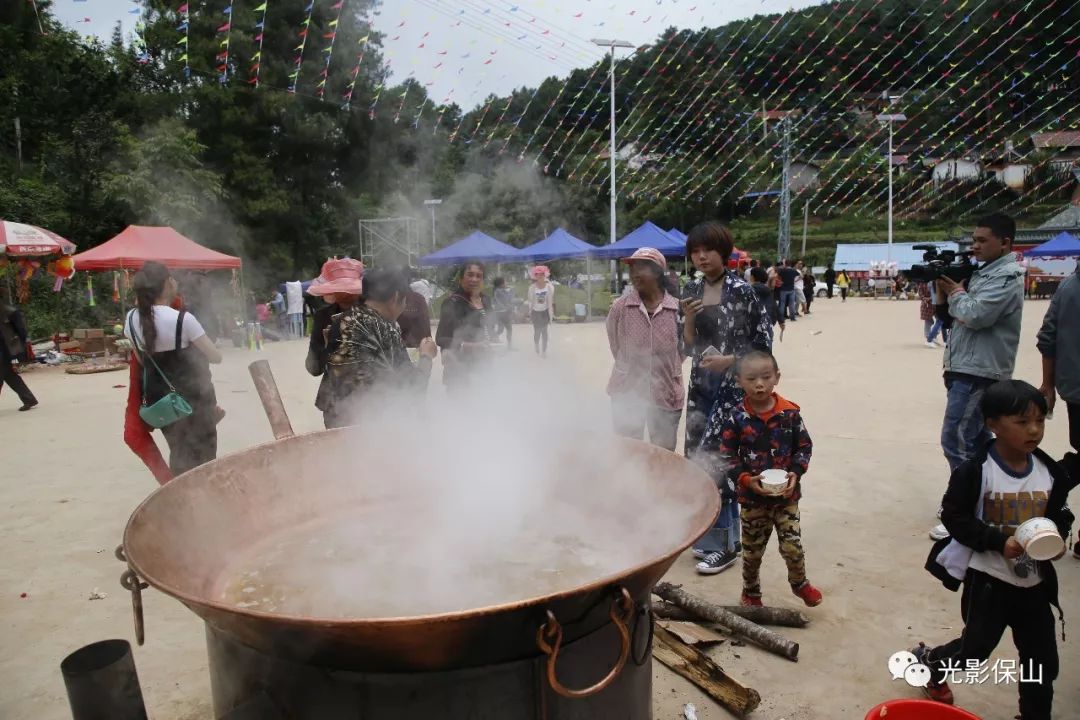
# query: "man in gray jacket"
x,y
984,338
1059,345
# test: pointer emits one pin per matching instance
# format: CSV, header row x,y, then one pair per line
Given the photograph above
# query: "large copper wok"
x,y
179,540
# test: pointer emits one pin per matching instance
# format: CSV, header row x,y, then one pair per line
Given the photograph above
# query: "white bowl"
x,y
1040,539
774,479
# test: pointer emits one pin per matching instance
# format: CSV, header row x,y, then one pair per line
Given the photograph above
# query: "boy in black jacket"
x,y
1009,482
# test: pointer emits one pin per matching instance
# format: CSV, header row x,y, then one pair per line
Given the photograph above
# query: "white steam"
x,y
515,490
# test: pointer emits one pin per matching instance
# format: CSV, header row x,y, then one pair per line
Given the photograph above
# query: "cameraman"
x,y
984,339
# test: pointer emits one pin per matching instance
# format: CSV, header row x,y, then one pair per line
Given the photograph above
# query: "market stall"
x,y
25,248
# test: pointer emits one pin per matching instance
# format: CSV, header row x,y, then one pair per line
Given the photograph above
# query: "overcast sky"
x,y
462,50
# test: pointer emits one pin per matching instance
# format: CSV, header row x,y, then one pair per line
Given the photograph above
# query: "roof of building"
x,y
1061,139
1067,219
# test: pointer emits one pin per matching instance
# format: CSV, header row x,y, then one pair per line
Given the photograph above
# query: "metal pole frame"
x,y
888,257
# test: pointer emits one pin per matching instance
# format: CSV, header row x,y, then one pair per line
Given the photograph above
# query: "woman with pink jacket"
x,y
646,385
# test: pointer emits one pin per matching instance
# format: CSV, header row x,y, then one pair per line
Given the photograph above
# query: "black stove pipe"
x,y
102,683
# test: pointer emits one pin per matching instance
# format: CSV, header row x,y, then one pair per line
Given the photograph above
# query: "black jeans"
x,y
632,415
540,322
988,606
505,321
193,440
16,383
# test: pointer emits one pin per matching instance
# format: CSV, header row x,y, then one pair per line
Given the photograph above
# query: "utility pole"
x,y
783,245
890,118
611,45
805,222
18,144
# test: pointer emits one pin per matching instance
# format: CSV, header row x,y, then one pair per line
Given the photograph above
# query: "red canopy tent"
x,y
139,243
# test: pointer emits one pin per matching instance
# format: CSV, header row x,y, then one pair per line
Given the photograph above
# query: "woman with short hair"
x,y
722,319
370,363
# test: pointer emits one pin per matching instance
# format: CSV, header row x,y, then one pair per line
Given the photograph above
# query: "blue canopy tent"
x,y
677,234
1061,245
559,245
476,246
648,235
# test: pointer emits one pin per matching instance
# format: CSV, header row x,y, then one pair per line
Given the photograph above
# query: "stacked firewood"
x,y
684,620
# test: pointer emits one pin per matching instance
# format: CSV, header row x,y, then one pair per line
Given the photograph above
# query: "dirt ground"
x,y
873,400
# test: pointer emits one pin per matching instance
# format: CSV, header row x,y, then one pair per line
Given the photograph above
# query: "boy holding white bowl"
x,y
1009,482
764,436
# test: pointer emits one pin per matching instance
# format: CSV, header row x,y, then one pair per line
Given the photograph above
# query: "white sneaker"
x,y
938,532
930,345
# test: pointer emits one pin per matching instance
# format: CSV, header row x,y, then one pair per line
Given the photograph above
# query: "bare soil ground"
x,y
873,400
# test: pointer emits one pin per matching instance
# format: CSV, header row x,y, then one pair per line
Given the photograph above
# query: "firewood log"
x,y
771,641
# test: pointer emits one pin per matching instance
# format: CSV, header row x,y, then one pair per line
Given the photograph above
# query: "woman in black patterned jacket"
x,y
722,319
371,361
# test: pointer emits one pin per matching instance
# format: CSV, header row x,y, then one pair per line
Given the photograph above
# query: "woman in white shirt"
x,y
800,289
172,344
541,307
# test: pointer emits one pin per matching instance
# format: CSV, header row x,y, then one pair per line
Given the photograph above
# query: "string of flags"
x,y
224,33
257,38
688,114
302,35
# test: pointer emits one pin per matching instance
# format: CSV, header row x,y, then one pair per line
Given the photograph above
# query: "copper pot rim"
x,y
611,580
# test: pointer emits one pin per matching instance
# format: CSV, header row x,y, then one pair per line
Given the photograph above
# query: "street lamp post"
x,y
890,118
432,204
612,44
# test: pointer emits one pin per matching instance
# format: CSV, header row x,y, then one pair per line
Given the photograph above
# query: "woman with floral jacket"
x,y
370,360
722,319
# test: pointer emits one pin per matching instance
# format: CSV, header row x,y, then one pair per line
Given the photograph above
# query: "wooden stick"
x,y
781,617
771,641
699,669
271,399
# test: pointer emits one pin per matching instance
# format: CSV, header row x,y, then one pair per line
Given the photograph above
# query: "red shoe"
x,y
809,594
939,692
750,600
936,691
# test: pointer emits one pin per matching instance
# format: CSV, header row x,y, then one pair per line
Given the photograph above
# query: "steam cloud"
x,y
515,490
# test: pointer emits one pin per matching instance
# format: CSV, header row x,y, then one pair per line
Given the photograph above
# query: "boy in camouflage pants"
x,y
766,432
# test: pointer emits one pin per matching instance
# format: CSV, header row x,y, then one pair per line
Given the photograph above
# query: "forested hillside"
x,y
272,134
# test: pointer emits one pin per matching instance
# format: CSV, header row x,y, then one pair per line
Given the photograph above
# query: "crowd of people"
x,y
374,336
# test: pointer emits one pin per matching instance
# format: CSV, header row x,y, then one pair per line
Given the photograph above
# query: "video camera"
x,y
956,266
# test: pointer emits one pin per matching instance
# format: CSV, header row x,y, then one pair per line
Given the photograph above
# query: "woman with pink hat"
x,y
646,386
339,284
541,307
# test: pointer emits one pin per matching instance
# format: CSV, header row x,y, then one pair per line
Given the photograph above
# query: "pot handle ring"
x,y
550,635
131,582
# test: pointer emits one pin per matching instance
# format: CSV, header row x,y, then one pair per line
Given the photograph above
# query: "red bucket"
x,y
918,710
